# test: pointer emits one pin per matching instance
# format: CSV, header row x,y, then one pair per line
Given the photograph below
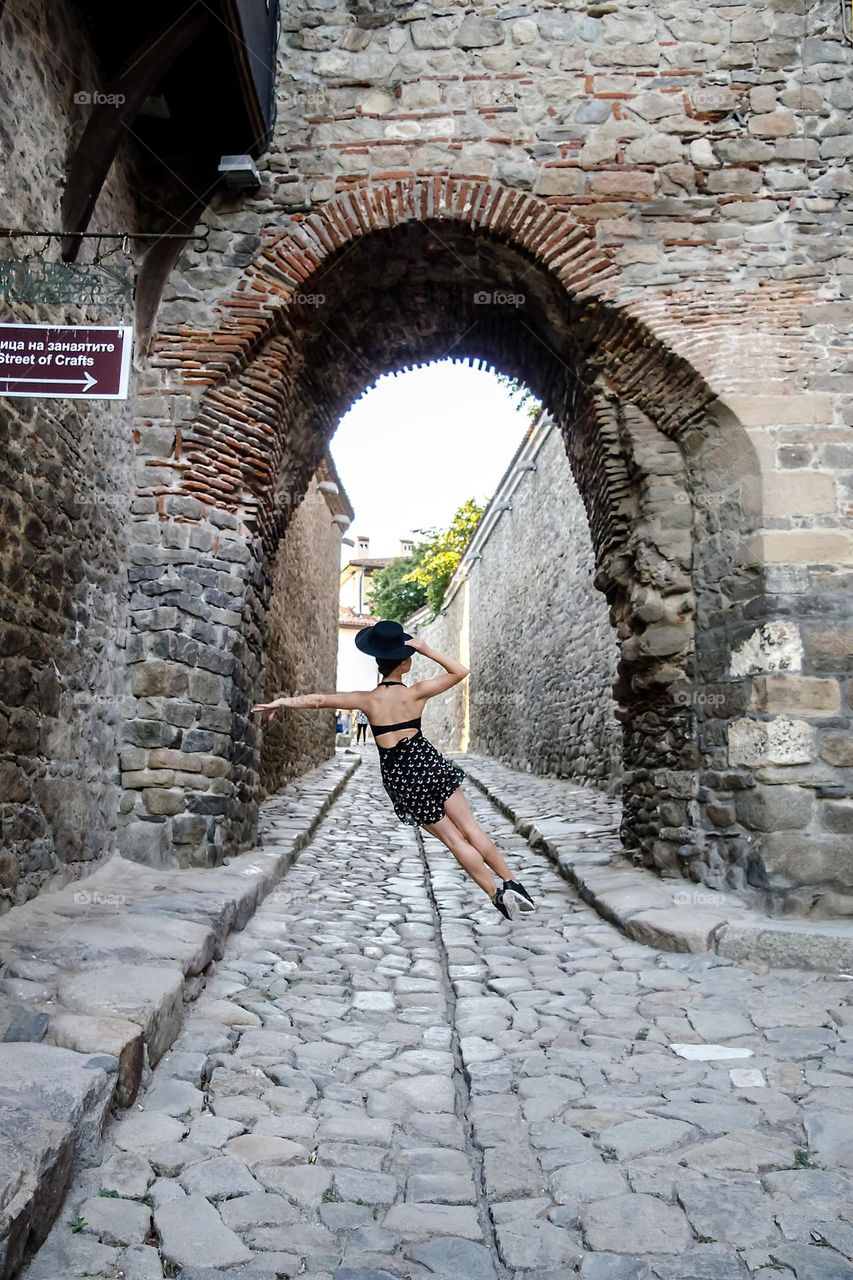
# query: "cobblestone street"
x,y
384,1078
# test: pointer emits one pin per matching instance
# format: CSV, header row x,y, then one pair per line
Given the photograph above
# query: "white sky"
x,y
417,445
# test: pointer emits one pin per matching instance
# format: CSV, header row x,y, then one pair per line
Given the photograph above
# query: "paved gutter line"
x,y
460,1080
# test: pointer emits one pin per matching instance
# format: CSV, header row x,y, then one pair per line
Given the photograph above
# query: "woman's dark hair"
x,y
387,665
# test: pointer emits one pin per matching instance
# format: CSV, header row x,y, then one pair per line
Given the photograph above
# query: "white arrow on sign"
x,y
86,381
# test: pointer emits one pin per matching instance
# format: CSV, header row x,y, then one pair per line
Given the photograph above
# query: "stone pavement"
x,y
383,1078
95,977
579,830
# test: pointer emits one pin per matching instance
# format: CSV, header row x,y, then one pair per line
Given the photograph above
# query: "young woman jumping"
x,y
424,787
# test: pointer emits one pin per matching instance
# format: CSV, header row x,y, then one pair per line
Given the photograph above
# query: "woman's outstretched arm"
x,y
313,702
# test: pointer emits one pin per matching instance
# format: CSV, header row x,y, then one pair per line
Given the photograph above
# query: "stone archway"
x,y
379,279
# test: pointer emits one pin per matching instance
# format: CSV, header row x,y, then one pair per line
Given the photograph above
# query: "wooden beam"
x,y
109,121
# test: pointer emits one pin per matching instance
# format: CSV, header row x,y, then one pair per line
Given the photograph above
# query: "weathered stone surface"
x,y
116,1221
149,995
525,1243
193,1234
734,1212
639,1137
829,1135
117,1036
455,1259
128,1173
779,942
218,1179
711,1179
258,1149
635,1224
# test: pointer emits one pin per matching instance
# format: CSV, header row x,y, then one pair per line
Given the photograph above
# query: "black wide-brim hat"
x,y
384,639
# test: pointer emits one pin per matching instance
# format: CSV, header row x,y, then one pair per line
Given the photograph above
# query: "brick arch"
x,y
290,261
272,379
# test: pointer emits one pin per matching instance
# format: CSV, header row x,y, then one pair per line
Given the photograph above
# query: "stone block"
x,y
775,808
431,1221
163,801
188,828
677,928
799,493
558,182
434,33
654,148
837,749
479,33
830,648
837,816
150,995
803,857
192,1234
454,1259
780,741
774,646
116,1221
773,124
804,695
783,944
119,1037
805,546
663,641
772,410
54,1108
636,1223
137,778
150,733
622,183
206,687
166,759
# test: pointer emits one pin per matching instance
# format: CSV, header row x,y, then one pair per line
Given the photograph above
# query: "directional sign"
x,y
77,362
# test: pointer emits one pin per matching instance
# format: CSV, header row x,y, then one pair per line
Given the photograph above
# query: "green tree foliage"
x,y
410,582
392,592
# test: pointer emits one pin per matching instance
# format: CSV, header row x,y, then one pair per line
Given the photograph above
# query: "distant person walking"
x,y
423,785
361,723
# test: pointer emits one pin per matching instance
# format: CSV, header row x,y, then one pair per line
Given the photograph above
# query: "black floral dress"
x,y
418,779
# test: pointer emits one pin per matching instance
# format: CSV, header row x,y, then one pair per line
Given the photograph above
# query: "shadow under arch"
x,y
376,282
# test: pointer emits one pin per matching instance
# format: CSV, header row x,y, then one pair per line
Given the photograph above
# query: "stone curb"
x,y
124,952
670,915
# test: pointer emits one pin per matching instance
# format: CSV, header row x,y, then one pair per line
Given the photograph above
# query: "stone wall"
x,y
546,656
542,650
644,215
300,641
446,717
66,472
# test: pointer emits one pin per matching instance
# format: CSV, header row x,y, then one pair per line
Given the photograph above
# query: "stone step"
x,y
96,979
672,915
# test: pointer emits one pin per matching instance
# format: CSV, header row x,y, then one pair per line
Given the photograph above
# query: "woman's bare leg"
x,y
459,810
464,852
